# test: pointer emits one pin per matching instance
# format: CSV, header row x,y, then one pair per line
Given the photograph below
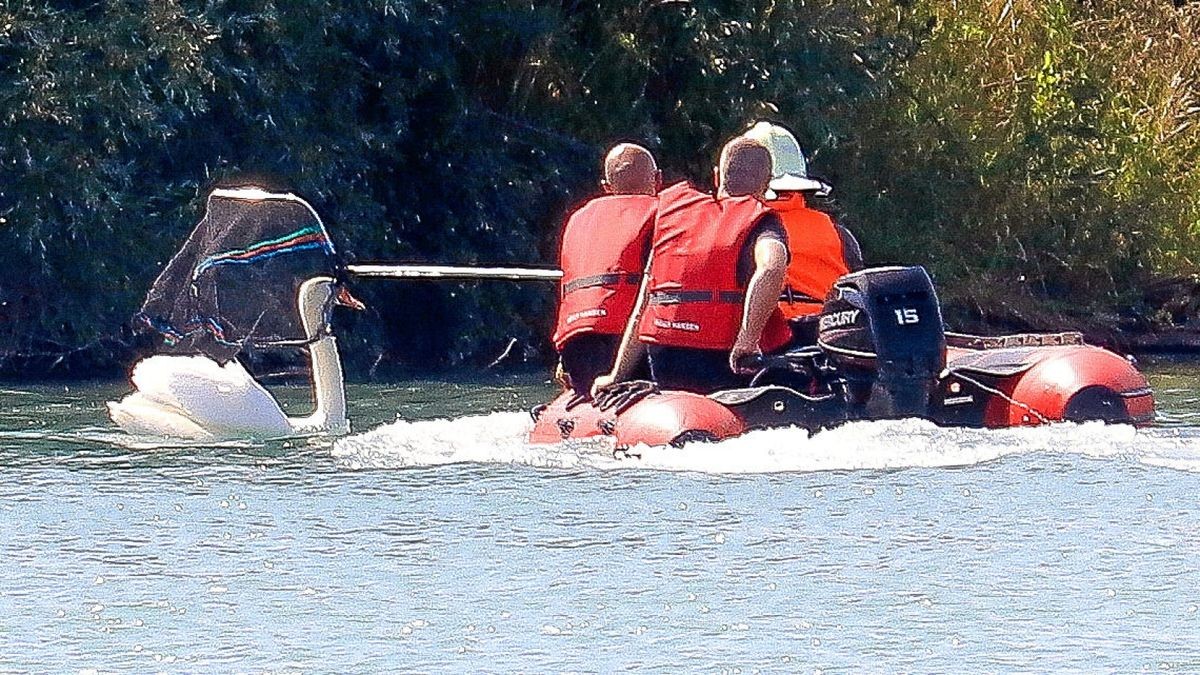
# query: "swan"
x,y
196,398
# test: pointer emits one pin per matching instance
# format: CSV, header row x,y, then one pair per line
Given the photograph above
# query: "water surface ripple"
x,y
444,543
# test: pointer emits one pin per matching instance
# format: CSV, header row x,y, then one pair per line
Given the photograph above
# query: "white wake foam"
x,y
499,438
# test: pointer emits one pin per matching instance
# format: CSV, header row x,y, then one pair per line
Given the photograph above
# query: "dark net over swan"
x,y
234,284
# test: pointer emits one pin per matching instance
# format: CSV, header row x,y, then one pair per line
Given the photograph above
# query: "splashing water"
x,y
500,438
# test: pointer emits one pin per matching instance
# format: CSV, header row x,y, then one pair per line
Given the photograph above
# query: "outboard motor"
x,y
882,331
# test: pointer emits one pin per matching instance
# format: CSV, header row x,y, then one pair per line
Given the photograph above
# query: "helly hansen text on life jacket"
x,y
696,299
602,256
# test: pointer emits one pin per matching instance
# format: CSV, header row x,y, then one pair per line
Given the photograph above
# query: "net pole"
x,y
381,271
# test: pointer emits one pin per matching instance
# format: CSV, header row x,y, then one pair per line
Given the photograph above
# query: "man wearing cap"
x,y
821,250
711,291
603,254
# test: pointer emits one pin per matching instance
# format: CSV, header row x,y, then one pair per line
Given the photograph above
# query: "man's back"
x,y
602,255
818,256
697,287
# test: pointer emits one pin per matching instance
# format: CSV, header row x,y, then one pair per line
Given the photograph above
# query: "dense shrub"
x,y
1047,148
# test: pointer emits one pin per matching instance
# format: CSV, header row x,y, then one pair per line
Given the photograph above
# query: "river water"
x,y
441,542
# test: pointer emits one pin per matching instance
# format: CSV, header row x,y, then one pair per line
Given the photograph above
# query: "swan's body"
x,y
194,397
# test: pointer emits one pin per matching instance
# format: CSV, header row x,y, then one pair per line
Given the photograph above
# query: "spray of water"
x,y
499,438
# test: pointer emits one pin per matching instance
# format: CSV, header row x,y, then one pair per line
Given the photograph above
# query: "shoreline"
x,y
1175,343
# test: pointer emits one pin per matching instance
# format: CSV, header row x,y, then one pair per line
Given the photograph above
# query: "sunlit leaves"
x,y
1051,148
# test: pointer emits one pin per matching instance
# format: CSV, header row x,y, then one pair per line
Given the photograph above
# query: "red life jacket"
x,y
818,256
602,257
695,298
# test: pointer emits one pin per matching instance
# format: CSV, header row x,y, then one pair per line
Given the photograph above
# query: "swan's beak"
x,y
344,299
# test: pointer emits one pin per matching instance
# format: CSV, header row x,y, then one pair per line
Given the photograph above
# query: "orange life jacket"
x,y
818,256
695,298
602,257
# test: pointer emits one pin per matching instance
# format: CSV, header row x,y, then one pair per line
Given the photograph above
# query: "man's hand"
x,y
741,349
602,382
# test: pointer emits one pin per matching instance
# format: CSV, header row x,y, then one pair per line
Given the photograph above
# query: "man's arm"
x,y
631,350
851,251
762,295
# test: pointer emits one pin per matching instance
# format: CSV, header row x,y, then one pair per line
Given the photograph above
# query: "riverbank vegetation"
x,y
1040,158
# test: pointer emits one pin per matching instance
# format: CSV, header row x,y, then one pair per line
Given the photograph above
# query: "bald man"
x,y
603,254
716,269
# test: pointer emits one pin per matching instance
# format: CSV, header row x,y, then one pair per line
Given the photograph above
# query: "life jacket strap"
x,y
685,297
610,279
791,295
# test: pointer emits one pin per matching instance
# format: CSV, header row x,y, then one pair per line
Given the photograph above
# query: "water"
x,y
451,546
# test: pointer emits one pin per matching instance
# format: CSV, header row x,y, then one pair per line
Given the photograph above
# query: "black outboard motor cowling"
x,y
882,329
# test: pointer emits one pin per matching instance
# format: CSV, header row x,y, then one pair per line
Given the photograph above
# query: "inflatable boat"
x,y
882,352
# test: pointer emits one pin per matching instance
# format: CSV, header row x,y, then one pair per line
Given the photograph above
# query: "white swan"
x,y
194,397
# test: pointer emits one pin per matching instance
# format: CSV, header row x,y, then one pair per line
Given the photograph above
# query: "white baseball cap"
x,y
789,170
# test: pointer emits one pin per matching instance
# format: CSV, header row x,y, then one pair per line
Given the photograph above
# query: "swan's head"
x,y
317,296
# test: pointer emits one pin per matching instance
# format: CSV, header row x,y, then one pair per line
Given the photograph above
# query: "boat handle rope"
x,y
992,390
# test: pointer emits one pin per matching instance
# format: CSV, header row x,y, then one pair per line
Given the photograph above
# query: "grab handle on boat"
x,y
788,361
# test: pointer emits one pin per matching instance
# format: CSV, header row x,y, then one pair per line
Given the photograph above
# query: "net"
x,y
234,284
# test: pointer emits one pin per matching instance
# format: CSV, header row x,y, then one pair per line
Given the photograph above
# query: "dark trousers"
x,y
585,357
702,371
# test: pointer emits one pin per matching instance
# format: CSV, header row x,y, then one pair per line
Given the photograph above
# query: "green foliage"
x,y
1047,148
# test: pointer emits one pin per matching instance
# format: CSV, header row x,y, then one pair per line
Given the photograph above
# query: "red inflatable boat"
x,y
882,353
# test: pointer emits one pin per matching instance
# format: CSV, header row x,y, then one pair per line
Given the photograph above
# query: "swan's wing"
x,y
136,414
223,400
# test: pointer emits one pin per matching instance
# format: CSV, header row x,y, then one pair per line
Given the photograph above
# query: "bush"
x,y
1049,149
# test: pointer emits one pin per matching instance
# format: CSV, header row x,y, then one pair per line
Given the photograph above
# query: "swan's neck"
x,y
328,389
329,393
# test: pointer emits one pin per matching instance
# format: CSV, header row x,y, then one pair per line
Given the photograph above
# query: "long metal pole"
x,y
453,272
